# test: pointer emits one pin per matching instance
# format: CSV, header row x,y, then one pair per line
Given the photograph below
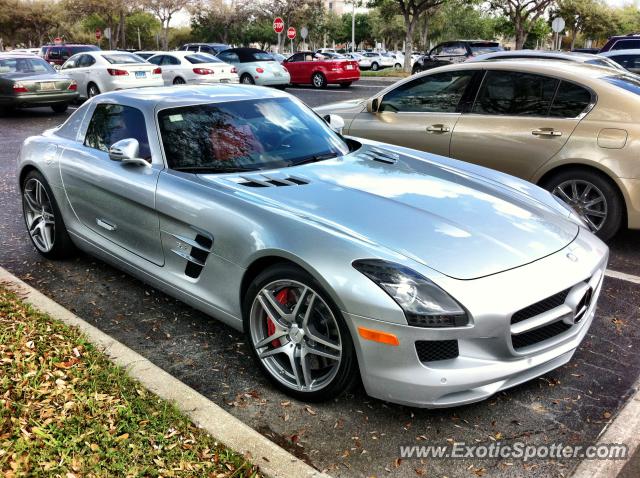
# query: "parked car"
x,y
185,67
210,48
622,42
378,60
256,67
145,55
312,68
278,57
451,52
107,70
363,62
597,60
627,59
593,51
571,128
340,259
58,54
29,81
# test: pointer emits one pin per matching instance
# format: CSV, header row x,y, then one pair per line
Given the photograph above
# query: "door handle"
x,y
437,128
546,132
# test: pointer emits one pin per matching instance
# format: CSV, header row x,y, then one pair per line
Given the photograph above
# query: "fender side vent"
x,y
195,251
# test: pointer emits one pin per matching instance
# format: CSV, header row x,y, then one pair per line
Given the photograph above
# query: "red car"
x,y
319,70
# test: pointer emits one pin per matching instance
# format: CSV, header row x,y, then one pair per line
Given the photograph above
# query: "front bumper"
x,y
487,361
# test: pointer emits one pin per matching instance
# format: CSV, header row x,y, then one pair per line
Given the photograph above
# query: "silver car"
x,y
256,67
576,57
437,282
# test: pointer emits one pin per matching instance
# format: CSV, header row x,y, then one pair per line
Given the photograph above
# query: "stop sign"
x,y
57,41
291,33
98,34
278,25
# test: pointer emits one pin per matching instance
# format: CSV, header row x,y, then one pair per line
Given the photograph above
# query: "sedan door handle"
x,y
546,132
438,128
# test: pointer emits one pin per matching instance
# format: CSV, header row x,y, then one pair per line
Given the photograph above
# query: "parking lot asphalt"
x,y
354,435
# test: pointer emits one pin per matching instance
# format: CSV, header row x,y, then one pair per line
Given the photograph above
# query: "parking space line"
x,y
622,276
317,91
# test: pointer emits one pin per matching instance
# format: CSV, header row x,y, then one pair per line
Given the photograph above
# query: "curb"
x,y
625,428
274,462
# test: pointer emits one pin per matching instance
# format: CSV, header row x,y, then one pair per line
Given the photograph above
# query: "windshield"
x,y
202,58
482,48
25,65
626,82
245,135
123,58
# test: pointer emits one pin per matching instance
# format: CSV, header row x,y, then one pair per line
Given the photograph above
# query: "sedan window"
x,y
201,58
630,62
111,123
86,61
245,135
515,94
123,58
570,101
438,93
25,65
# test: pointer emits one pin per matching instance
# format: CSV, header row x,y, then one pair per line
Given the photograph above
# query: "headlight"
x,y
573,216
423,302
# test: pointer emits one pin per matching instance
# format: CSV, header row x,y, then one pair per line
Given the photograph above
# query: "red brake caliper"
x,y
283,298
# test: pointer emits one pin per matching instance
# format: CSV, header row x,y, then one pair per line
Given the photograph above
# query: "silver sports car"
x,y
436,282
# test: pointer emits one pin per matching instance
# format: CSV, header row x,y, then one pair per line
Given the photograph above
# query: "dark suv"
x,y
211,48
58,54
622,42
454,52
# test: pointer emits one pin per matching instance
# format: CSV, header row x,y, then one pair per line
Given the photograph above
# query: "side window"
x,y
437,50
297,57
630,62
73,62
193,48
156,60
85,61
454,49
170,60
570,101
65,53
438,93
229,57
111,123
626,44
54,53
513,93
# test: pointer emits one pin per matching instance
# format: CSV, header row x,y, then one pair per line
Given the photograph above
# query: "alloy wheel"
x,y
295,335
38,213
93,91
586,199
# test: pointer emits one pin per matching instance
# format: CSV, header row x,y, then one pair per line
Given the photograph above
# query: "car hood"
x,y
461,224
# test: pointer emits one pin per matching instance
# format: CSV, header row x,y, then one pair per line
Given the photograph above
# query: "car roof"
x,y
18,54
170,96
630,51
568,55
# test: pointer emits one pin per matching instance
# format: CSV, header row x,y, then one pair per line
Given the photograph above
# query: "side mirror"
x,y
127,151
335,122
373,104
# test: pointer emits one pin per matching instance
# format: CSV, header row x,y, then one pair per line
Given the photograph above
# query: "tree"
x,y
579,15
164,10
412,11
522,13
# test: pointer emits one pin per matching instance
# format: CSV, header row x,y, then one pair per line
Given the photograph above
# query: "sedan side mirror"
x,y
127,151
335,122
373,104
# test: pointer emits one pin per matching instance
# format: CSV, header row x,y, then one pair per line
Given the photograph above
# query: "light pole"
x,y
353,27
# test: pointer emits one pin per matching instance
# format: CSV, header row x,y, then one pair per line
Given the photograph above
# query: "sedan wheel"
x,y
93,90
43,219
299,340
318,80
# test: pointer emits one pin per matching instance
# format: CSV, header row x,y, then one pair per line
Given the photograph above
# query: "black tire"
x,y
281,87
375,66
92,90
347,375
345,85
61,108
62,245
318,80
615,208
178,81
416,69
247,79
397,66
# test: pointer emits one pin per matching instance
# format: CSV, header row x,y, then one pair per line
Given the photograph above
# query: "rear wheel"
x,y
593,196
178,81
247,79
297,335
43,218
92,90
345,85
398,66
375,66
318,80
61,108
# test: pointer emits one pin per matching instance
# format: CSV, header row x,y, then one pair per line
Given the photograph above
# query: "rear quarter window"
x,y
571,100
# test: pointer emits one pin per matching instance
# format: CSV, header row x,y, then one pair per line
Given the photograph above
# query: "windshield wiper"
x,y
314,158
205,170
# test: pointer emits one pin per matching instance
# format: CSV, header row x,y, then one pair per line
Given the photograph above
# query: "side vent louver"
x,y
195,251
264,181
380,155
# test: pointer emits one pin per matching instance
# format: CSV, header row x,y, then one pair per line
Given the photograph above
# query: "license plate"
x,y
47,86
141,74
277,73
349,67
224,80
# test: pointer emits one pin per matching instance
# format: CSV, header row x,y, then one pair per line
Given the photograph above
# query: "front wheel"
x,y
43,218
297,335
318,80
247,79
375,66
398,66
592,196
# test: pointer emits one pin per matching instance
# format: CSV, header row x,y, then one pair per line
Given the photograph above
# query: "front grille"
x,y
539,307
539,335
434,350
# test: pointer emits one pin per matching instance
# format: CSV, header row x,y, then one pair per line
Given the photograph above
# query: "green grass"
x,y
387,72
66,410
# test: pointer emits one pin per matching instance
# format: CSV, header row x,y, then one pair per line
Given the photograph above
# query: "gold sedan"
x,y
572,128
